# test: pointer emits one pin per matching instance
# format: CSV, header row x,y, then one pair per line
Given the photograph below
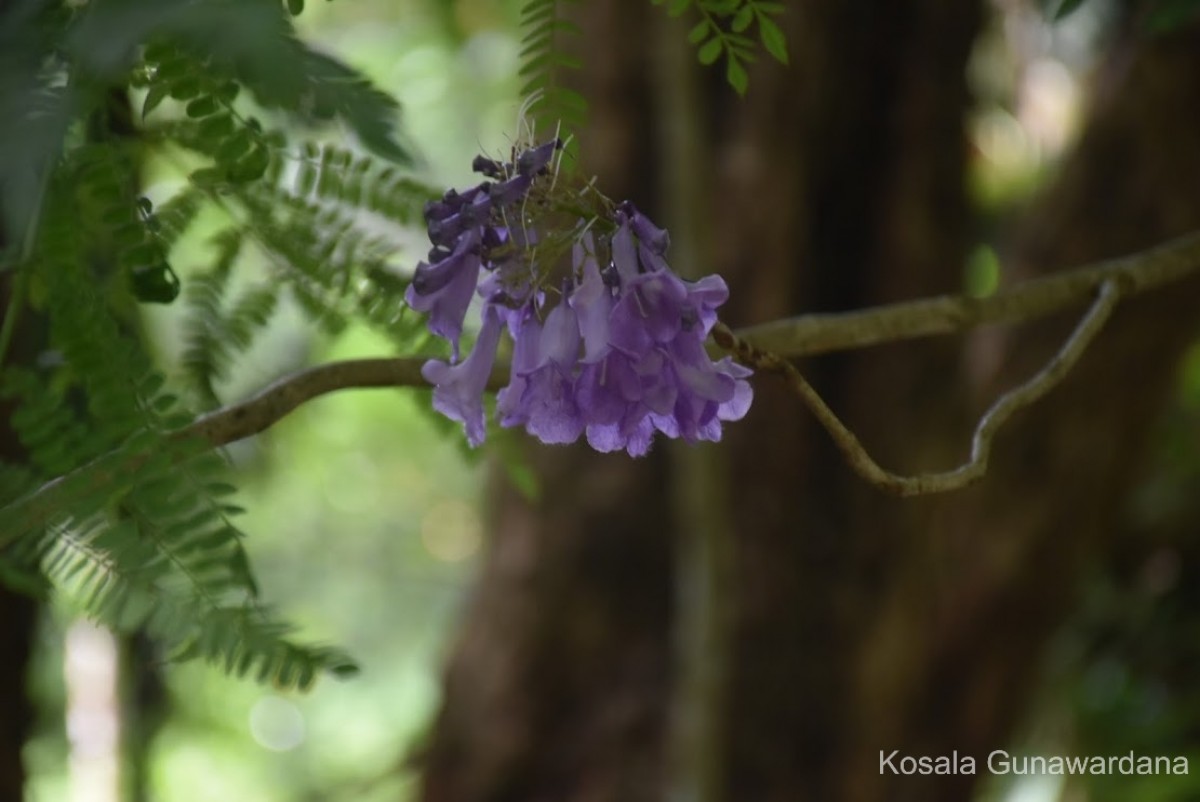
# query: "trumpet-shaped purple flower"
x,y
458,392
444,289
617,356
592,302
541,396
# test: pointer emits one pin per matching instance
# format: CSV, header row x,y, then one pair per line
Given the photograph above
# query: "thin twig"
x,y
820,333
975,467
269,405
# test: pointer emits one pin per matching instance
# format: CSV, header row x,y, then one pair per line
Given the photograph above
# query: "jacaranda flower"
x,y
458,392
608,343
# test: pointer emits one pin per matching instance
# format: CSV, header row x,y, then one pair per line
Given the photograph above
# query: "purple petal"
x,y
650,235
509,192
592,302
447,303
613,437
447,231
531,162
553,416
624,252
705,296
560,338
458,392
649,312
527,335
606,390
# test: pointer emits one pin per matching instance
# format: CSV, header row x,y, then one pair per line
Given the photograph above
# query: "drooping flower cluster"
x,y
609,346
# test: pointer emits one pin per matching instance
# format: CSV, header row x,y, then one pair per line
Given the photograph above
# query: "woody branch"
x,y
768,346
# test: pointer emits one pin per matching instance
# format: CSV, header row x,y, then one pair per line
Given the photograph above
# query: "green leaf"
x,y
721,8
156,95
295,7
735,73
234,147
216,126
742,20
711,51
250,167
185,89
201,107
228,91
1066,8
1168,15
772,38
697,34
154,283
677,7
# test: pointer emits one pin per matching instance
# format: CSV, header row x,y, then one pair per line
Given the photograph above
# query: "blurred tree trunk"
x,y
17,617
18,613
861,623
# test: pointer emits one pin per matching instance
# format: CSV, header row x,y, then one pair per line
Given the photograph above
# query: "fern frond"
x,y
142,535
356,182
112,509
90,564
154,546
215,336
15,481
543,61
99,189
334,269
54,436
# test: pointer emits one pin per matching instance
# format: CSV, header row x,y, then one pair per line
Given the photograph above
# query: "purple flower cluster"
x,y
611,347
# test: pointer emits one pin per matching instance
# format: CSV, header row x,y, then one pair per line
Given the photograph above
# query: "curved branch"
x,y
799,336
809,334
820,333
262,410
975,467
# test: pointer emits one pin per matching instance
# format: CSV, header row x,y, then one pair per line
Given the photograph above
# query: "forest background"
x,y
748,621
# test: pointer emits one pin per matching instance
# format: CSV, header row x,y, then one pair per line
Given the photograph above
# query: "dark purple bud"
x,y
479,209
507,193
489,167
501,298
493,237
531,162
648,234
446,231
439,210
429,278
611,276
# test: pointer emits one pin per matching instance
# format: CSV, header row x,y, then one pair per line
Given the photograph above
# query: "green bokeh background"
x,y
363,521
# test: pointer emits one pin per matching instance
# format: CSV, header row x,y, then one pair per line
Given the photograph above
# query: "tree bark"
x,y
861,623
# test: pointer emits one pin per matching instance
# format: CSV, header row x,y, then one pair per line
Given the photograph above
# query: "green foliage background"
x,y
300,259
249,209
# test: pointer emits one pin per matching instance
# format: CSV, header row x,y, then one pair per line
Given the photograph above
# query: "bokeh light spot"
x,y
451,531
276,724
